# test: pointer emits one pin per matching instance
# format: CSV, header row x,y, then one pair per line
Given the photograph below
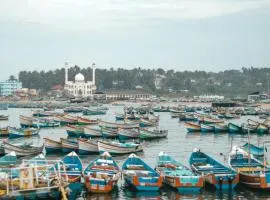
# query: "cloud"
x,y
97,14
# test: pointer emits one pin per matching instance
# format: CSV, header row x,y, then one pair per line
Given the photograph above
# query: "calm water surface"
x,y
179,144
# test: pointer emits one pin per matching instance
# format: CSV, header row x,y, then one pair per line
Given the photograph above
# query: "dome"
x,y
79,77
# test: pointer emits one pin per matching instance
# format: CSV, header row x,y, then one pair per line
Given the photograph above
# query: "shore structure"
x,y
80,87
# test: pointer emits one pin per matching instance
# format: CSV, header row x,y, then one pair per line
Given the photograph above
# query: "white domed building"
x,y
80,87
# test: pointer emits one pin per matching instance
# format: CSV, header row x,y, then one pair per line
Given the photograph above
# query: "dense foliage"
x,y
229,83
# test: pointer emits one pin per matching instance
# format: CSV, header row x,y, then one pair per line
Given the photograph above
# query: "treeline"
x,y
229,82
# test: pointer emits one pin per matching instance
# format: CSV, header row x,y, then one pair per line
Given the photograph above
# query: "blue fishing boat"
x,y
146,123
109,132
253,149
102,174
69,145
52,145
73,167
234,128
92,131
139,175
45,123
22,132
38,160
207,127
177,175
75,131
9,159
215,173
252,172
192,127
126,134
95,111
119,117
220,128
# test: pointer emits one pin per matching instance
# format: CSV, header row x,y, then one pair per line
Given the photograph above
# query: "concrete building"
x,y
9,87
80,87
127,94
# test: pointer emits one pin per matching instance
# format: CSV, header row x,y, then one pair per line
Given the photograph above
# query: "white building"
x,y
80,87
9,87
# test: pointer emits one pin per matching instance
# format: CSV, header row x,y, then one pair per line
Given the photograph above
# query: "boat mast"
x,y
248,147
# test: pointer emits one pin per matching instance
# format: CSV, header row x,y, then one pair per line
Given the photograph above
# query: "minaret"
x,y
66,72
93,74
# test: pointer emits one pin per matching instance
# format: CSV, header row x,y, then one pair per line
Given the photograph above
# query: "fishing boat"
x,y
253,149
22,132
89,111
118,125
220,128
248,128
25,121
114,147
74,131
192,127
91,131
3,117
252,172
22,149
126,134
233,128
37,160
69,145
146,134
139,175
9,159
161,109
187,117
45,123
109,132
146,123
72,166
177,175
4,132
85,121
207,127
210,120
73,109
32,182
87,146
102,174
119,117
215,173
64,120
52,145
262,128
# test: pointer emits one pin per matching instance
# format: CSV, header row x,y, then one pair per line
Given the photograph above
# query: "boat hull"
x,y
87,147
115,149
256,181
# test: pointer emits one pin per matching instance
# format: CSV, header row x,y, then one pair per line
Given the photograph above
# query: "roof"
x,y
127,92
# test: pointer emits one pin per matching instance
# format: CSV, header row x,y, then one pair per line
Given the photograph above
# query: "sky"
x,y
210,35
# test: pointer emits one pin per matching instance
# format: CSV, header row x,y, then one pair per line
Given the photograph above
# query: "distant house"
x,y
209,98
127,94
158,81
26,92
257,96
9,87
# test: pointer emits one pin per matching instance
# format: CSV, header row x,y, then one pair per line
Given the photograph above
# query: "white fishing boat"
x,y
22,149
114,147
26,121
90,131
87,146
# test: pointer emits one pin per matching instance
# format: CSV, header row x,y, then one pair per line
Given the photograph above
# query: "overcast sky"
x,y
210,35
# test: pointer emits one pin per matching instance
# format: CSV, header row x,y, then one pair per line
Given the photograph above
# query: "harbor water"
x,y
178,144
